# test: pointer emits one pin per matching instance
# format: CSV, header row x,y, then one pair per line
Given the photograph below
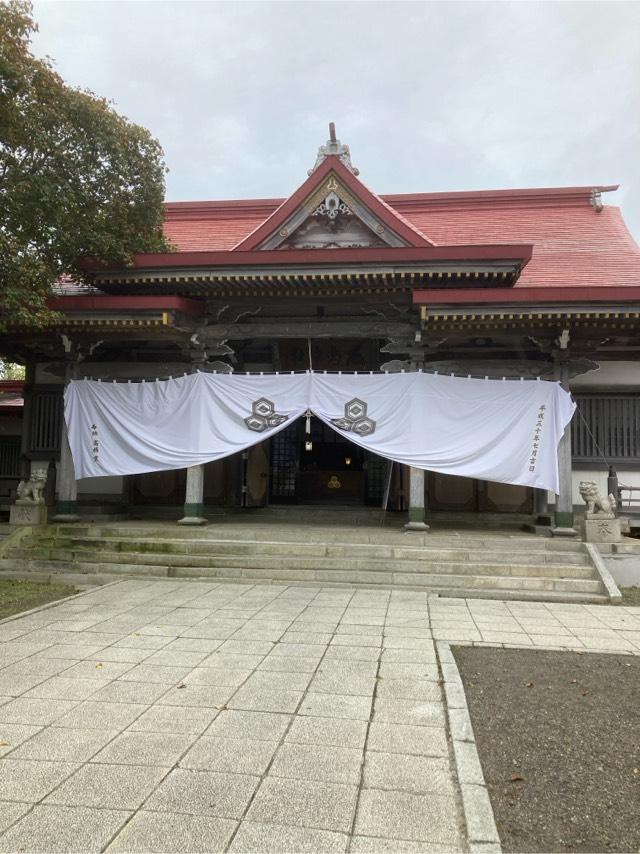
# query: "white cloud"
x,y
430,96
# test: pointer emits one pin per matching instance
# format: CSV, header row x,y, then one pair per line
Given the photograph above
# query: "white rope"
x,y
380,372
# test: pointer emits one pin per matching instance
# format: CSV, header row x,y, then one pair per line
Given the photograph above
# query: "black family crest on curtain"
x,y
355,418
263,416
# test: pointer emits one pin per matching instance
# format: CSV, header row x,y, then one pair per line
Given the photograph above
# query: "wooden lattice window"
x,y
284,456
10,456
606,427
46,422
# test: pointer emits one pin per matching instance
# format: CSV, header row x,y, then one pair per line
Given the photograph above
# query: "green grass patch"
x,y
630,595
17,595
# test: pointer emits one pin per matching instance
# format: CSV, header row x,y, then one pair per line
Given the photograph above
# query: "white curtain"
x,y
501,430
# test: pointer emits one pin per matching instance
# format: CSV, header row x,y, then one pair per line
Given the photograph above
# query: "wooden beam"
x,y
348,328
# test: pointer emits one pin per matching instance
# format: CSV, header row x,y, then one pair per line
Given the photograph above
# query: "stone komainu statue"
x,y
597,506
30,491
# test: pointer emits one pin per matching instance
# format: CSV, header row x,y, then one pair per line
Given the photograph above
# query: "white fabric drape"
x,y
500,430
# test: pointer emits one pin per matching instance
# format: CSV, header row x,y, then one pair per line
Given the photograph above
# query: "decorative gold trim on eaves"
x,y
428,316
278,279
114,322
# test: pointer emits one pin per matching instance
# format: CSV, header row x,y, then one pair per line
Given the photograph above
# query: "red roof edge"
x,y
332,163
127,303
12,386
257,207
523,193
443,296
517,252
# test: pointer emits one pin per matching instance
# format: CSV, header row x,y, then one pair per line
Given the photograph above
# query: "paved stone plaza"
x,y
188,716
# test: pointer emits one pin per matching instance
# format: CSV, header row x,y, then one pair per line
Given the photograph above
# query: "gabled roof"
x,y
333,176
576,241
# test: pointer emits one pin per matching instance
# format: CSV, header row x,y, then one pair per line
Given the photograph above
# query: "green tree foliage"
x,y
77,180
11,371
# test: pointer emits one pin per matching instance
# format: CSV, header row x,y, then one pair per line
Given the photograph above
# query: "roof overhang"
x,y
303,271
125,304
117,313
517,254
530,296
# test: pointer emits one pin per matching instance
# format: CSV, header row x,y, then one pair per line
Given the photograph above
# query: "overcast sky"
x,y
429,96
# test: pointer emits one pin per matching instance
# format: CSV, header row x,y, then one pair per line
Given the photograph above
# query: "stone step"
x,y
306,562
341,550
296,534
545,589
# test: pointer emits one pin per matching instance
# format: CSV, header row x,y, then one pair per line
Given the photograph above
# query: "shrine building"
x,y
519,283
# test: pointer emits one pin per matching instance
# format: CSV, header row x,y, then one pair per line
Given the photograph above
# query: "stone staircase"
x,y
451,563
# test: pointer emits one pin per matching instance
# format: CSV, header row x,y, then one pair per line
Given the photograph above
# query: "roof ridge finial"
x,y
334,147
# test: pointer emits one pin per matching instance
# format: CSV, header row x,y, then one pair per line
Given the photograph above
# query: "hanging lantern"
x,y
308,445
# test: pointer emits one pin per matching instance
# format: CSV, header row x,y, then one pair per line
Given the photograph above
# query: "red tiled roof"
x,y
11,401
574,244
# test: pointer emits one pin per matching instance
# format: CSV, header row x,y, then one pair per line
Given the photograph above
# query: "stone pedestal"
x,y
601,530
28,513
416,501
194,497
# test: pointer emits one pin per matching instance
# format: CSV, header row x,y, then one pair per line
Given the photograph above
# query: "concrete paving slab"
x,y
176,658
336,706
232,662
11,735
139,693
280,681
174,719
327,806
35,711
63,829
217,676
419,774
317,762
407,739
409,689
263,726
334,732
93,715
26,780
202,696
11,812
145,748
62,688
301,650
118,787
339,682
206,645
380,845
429,818
204,793
173,833
357,640
288,664
230,755
257,838
264,700
409,670
155,673
57,744
414,712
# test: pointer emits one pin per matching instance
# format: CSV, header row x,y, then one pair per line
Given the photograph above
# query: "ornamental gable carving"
x,y
332,218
